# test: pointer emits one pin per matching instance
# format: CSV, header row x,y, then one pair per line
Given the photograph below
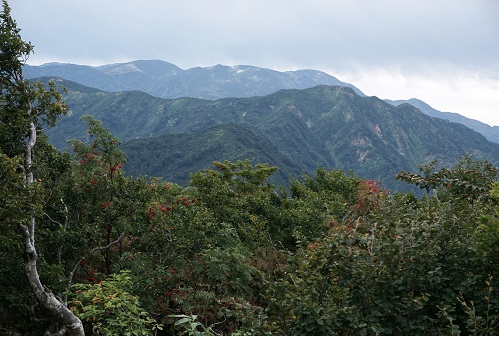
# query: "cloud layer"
x,y
445,41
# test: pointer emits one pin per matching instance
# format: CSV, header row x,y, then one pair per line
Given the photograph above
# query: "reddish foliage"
x,y
369,195
105,204
151,213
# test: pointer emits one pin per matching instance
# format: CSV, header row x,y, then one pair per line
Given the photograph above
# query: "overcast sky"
x,y
444,52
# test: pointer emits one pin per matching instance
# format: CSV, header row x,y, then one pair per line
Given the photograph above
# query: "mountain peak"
x,y
165,80
121,68
152,68
54,63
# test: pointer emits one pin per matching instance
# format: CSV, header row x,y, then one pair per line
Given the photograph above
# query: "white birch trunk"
x,y
71,324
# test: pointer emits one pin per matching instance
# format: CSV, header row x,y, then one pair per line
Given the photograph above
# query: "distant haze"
x,y
443,52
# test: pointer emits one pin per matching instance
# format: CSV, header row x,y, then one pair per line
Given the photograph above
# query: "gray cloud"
x,y
312,32
411,38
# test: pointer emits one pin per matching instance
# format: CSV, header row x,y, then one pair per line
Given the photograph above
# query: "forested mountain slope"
x,y
325,125
490,132
176,156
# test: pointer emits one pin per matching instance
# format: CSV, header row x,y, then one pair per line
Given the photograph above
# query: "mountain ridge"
x,y
490,132
166,80
328,126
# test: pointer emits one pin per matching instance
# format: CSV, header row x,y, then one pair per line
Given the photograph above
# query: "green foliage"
x,y
188,153
399,272
320,201
13,98
238,197
426,181
14,196
470,179
104,207
190,325
103,142
488,322
26,110
107,308
295,130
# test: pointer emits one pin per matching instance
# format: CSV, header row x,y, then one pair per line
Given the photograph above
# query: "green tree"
x,y
429,180
108,308
468,180
102,200
319,202
407,266
25,110
238,196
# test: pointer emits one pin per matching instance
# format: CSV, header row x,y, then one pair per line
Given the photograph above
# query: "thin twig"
x,y
71,274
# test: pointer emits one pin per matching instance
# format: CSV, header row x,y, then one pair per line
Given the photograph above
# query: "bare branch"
x,y
77,264
54,221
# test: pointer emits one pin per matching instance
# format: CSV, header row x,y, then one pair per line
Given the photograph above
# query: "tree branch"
x,y
77,264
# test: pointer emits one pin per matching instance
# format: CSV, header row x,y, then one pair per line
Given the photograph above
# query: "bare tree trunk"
x,y
71,324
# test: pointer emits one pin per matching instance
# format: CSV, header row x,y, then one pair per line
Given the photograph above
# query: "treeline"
x,y
86,250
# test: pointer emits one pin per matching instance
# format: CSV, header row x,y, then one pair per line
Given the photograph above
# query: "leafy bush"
x,y
107,308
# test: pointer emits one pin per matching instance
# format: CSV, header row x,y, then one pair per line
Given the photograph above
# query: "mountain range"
x,y
165,80
296,130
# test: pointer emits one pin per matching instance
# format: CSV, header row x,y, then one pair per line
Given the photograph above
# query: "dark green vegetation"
x,y
85,249
296,130
175,157
230,254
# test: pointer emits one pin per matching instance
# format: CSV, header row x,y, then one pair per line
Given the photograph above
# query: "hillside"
x,y
175,156
165,80
490,132
296,130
